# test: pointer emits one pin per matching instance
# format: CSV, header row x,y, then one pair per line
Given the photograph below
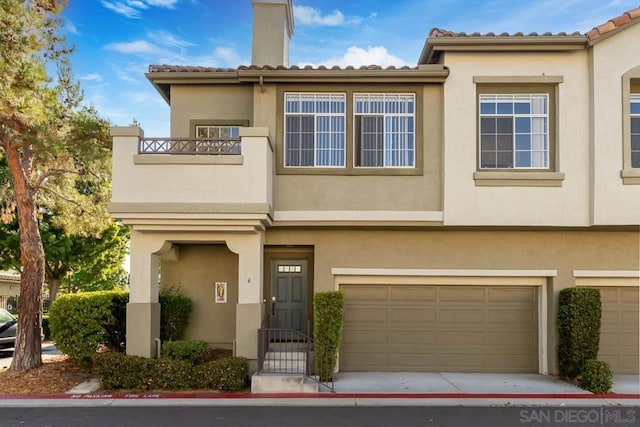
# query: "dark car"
x,y
8,325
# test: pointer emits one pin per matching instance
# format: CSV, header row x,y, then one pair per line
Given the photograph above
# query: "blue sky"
x,y
116,40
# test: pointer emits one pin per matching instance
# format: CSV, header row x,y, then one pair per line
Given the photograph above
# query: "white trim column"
x,y
143,309
250,308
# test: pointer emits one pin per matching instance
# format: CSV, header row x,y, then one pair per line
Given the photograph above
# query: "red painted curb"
x,y
211,395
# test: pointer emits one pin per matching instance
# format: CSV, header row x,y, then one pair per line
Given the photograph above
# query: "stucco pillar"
x,y
143,310
250,308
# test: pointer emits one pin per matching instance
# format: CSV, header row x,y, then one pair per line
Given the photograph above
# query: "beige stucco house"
x,y
450,201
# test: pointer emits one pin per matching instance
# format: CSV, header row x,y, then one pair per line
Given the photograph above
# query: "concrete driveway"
x,y
447,382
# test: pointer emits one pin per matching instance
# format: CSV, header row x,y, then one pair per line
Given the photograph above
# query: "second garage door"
x,y
619,331
440,328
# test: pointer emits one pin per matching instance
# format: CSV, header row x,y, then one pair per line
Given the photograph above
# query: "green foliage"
x,y
121,371
81,323
175,311
596,376
579,315
328,321
73,262
192,351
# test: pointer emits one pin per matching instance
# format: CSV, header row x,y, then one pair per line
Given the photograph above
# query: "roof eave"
x,y
501,43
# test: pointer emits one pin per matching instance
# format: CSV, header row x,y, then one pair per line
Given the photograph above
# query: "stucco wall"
x,y
196,271
614,203
561,250
233,102
468,204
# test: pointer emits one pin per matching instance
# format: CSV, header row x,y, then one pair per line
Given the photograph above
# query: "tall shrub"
x,y
327,330
82,322
579,316
175,311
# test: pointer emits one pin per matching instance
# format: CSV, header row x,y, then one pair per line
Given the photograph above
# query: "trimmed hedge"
x,y
579,316
327,329
189,350
81,323
121,371
596,376
175,311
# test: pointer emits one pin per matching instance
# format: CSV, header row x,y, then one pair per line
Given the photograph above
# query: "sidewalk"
x,y
373,389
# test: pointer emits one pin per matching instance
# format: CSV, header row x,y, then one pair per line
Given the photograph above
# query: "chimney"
x,y
272,31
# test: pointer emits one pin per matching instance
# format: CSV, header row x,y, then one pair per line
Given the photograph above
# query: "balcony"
x,y
188,179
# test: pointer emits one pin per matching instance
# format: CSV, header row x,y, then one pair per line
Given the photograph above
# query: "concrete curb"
x,y
320,399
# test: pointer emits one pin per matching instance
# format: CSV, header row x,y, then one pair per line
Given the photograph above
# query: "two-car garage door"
x,y
449,328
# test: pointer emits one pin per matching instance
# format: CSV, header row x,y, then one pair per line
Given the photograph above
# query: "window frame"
x,y
521,177
315,131
428,135
384,115
630,85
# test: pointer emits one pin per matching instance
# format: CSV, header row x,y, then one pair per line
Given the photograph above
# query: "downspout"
x,y
158,347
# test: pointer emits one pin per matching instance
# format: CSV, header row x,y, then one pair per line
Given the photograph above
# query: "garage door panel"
x,y
521,339
511,318
461,316
514,295
413,293
619,329
462,294
365,293
441,328
464,338
364,337
413,337
413,315
365,315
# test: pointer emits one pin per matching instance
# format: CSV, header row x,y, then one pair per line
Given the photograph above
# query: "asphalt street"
x,y
185,416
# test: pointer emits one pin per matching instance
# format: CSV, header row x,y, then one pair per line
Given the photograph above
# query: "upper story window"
x,y
514,131
222,132
384,130
314,129
634,113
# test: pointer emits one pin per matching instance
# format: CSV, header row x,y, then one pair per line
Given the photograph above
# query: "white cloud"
x,y
307,15
167,39
91,77
356,56
121,9
228,55
136,47
137,3
169,4
131,8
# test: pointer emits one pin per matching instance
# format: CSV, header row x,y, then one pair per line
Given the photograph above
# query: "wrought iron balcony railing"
x,y
190,146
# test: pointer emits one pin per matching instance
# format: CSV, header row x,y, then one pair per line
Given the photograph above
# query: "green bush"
x,y
327,329
175,310
121,371
596,376
190,350
81,323
579,315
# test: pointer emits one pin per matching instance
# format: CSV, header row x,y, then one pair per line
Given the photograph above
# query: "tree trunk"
x,y
27,354
54,285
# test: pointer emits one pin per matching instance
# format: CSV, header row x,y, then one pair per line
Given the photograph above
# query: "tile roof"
x,y
599,31
9,277
613,24
438,32
185,68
